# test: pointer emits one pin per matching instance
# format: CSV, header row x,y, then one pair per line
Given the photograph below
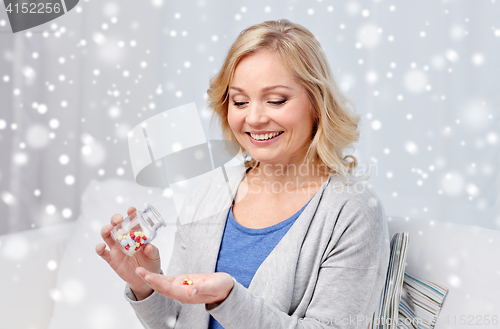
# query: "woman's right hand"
x,y
125,266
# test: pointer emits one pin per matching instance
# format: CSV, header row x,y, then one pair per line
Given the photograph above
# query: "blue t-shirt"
x,y
244,249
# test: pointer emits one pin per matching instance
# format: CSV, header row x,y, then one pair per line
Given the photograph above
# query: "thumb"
x,y
151,252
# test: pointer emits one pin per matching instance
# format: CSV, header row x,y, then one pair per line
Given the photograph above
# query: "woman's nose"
x,y
256,114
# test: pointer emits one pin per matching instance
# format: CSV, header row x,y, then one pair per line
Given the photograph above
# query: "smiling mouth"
x,y
264,137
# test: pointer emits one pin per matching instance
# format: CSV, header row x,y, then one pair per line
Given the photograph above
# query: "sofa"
x,y
53,279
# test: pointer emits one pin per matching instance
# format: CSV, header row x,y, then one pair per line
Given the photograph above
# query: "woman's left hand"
x,y
206,288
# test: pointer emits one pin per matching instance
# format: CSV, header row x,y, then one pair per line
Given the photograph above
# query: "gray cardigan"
x,y
328,271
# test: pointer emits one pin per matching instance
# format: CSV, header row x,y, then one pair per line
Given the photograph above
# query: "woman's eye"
x,y
240,104
279,102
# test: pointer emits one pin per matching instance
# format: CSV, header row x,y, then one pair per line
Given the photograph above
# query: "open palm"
x,y
205,288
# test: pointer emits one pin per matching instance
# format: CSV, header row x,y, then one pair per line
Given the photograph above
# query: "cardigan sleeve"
x,y
348,285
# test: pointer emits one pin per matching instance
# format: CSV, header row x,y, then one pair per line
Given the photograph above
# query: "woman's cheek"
x,y
234,124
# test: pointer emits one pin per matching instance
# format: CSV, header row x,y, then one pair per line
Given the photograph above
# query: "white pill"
x,y
124,242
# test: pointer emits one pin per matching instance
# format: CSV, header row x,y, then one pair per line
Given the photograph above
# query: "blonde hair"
x,y
335,126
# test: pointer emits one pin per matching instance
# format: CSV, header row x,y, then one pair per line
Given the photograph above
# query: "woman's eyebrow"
x,y
266,89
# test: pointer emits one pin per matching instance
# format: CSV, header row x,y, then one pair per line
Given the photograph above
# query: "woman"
x,y
300,242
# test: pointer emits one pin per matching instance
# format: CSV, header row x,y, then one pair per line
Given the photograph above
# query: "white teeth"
x,y
264,137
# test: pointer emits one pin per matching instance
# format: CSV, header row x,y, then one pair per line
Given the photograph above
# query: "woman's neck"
x,y
289,176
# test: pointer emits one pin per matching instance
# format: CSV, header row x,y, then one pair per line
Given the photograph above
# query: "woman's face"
x,y
265,99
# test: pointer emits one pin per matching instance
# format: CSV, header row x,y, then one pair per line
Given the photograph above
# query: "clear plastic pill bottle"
x,y
137,230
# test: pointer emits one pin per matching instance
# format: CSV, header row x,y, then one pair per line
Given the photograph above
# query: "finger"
x,y
151,252
131,210
106,235
161,283
141,271
103,252
116,219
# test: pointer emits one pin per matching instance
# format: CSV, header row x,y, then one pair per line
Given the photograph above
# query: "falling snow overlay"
x,y
422,75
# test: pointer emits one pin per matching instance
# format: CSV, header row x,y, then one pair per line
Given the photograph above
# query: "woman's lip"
x,y
264,132
264,142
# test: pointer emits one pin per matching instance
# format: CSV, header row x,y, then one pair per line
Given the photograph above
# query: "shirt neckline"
x,y
265,230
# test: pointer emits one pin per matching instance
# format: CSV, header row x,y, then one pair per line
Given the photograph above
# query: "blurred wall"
x,y
422,74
